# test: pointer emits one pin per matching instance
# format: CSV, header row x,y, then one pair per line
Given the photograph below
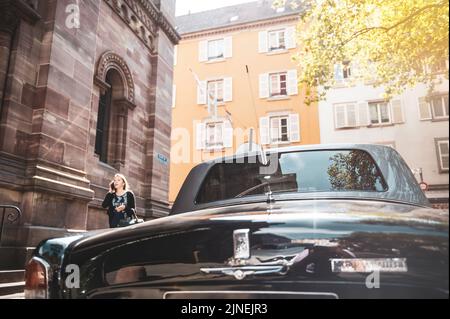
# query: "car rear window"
x,y
298,172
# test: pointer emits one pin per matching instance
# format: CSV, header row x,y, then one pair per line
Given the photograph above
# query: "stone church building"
x,y
85,92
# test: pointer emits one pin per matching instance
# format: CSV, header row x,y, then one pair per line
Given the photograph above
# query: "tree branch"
x,y
387,29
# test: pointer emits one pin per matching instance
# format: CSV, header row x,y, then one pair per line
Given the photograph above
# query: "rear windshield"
x,y
295,172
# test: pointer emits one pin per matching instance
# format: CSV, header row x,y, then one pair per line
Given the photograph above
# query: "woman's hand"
x,y
120,208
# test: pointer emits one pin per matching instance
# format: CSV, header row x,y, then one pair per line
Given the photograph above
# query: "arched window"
x,y
116,98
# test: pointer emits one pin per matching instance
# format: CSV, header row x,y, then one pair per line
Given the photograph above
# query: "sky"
x,y
184,6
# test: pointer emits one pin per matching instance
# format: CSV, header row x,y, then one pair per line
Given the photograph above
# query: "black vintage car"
x,y
336,221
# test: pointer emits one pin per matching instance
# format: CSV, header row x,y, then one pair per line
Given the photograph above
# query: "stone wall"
x,y
52,74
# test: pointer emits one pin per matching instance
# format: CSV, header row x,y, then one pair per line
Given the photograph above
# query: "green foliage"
x,y
396,44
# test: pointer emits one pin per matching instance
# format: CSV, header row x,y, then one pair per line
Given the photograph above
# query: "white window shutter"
x,y
292,82
203,51
339,116
363,113
228,41
397,112
351,115
201,93
200,136
294,128
338,74
424,109
264,86
228,89
174,95
263,45
264,130
227,135
290,38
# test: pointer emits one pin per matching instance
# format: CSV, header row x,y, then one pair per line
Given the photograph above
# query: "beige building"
x,y
238,58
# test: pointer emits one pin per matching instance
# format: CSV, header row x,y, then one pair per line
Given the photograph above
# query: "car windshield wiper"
x,y
270,198
251,189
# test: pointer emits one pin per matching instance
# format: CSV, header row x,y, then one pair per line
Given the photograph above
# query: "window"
x,y
346,70
214,136
342,71
439,106
278,84
215,49
103,118
215,90
279,130
379,113
297,172
345,115
434,107
277,40
442,147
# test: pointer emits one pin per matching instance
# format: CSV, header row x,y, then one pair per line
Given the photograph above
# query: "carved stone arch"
x,y
108,61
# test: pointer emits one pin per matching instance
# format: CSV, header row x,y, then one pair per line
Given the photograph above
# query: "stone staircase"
x,y
11,282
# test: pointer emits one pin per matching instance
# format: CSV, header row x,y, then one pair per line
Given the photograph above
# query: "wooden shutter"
x,y
263,45
264,86
397,112
351,115
228,43
339,115
200,136
292,82
264,130
227,134
363,113
424,109
290,38
203,51
201,93
228,89
294,128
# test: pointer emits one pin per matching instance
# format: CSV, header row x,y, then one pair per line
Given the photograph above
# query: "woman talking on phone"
x,y
119,201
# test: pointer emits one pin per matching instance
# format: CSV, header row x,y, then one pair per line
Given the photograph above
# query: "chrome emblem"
x,y
241,243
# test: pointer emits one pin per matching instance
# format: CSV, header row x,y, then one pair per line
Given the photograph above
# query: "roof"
x,y
230,16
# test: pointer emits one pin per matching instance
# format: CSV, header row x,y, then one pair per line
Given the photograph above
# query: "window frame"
x,y
438,142
380,122
277,33
432,108
279,139
217,48
216,83
217,143
279,82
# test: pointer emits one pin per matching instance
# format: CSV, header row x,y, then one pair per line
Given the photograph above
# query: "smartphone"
x,y
111,186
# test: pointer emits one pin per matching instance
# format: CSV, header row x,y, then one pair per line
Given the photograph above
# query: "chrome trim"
x,y
241,272
368,265
304,293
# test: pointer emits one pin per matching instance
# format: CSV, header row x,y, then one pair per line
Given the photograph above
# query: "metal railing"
x,y
13,216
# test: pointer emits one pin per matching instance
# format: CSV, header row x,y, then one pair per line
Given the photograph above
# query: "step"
x,y
7,276
12,288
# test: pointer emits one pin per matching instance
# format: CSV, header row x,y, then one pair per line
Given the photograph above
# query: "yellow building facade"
x,y
245,70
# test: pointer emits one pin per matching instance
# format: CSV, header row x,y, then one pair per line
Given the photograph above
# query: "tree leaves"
x,y
395,44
